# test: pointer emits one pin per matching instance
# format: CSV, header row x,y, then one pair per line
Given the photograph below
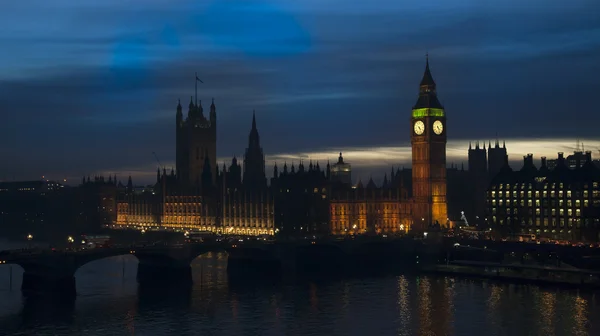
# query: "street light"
x,y
70,239
29,237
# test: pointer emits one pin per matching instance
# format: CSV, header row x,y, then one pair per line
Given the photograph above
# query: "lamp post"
x,y
29,239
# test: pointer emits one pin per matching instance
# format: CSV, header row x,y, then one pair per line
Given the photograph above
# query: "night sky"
x,y
90,87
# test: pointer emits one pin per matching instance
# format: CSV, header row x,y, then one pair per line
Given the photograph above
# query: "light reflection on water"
x,y
109,302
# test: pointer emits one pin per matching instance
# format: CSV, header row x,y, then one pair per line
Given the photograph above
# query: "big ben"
x,y
428,139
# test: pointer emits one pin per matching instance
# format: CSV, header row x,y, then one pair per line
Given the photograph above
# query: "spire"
x,y
254,138
213,112
178,105
199,107
427,90
341,158
427,78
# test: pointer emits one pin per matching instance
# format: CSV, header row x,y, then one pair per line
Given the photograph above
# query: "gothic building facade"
x,y
303,199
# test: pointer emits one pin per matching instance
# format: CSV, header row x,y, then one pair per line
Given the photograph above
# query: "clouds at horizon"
x,y
87,88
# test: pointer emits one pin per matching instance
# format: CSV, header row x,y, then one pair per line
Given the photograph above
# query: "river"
x,y
109,302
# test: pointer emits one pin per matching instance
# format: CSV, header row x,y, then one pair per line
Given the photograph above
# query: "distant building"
x,y
341,172
572,161
563,203
34,187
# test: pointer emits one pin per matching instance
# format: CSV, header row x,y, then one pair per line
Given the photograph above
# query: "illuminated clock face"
x,y
419,127
438,127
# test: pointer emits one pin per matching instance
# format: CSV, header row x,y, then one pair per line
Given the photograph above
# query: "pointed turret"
x,y
253,137
179,114
213,112
191,106
371,184
200,109
427,91
427,78
359,185
275,171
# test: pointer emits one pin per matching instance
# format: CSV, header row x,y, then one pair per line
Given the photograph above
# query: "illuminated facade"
x,y
560,204
378,210
428,139
239,213
306,201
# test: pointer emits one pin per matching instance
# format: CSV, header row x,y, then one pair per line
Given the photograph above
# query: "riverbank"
x,y
518,273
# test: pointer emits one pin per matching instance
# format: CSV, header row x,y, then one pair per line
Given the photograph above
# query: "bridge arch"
x,y
89,263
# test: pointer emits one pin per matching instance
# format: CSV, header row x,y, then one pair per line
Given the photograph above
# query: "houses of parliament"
x,y
303,199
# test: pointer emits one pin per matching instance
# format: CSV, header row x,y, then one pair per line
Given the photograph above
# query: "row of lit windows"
x,y
544,203
539,222
538,212
596,194
359,206
553,186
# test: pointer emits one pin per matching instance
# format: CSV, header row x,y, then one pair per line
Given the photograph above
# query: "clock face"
x,y
438,127
419,127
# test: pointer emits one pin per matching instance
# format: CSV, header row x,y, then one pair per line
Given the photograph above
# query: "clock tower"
x,y
428,139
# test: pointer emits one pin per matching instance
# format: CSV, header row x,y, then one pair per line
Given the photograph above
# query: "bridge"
x,y
54,271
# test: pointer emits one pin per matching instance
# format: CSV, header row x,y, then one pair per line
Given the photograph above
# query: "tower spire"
x,y
253,120
427,90
427,78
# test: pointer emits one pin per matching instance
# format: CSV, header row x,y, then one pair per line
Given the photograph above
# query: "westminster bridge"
x,y
54,271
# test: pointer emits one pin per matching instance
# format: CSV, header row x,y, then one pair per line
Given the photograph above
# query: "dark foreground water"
x,y
109,302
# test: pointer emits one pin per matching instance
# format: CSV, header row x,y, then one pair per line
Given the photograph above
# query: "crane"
x,y
158,161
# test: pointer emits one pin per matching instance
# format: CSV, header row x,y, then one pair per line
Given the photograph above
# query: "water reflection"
x,y
109,301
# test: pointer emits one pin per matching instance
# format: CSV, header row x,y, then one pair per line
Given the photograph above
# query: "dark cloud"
x,y
99,93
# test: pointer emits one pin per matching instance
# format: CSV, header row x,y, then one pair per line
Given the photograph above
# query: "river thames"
x,y
109,302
